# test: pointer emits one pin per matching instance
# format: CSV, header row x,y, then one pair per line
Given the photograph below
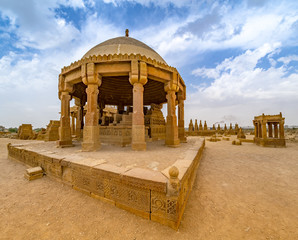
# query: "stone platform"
x,y
138,182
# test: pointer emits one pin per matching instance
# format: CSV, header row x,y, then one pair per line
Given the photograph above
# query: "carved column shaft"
x,y
138,127
73,125
64,129
270,129
138,78
91,118
91,140
79,120
181,129
171,127
256,130
264,130
281,130
275,130
91,129
260,130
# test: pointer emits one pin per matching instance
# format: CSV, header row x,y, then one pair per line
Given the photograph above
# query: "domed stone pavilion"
x,y
128,74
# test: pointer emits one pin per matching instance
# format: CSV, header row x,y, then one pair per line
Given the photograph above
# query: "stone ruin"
x,y
52,131
25,132
269,130
241,134
199,130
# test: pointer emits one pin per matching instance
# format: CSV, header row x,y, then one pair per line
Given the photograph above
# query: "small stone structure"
x,y
275,136
41,134
199,130
52,131
241,134
25,132
155,122
33,173
236,142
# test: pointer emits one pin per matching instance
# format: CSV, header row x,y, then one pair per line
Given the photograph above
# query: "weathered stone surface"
x,y
52,131
25,132
33,177
34,171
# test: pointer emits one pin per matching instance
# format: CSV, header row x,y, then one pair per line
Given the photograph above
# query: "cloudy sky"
x,y
238,58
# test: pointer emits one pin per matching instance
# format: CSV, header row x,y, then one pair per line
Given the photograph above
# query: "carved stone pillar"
x,y
79,118
270,129
91,129
264,130
138,79
260,130
181,129
275,130
171,126
91,140
73,125
281,130
64,129
256,129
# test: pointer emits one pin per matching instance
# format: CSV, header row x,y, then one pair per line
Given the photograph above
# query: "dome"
x,y
124,45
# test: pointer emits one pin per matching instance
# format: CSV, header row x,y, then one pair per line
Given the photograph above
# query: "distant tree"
x,y
2,129
13,130
37,129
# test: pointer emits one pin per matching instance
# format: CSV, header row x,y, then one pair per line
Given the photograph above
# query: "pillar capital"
x,y
138,73
78,102
170,86
171,126
89,76
64,86
92,89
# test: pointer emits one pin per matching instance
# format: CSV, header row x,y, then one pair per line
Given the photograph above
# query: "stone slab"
x,y
34,171
33,177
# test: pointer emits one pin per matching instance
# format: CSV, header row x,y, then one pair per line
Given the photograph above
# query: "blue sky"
x,y
238,58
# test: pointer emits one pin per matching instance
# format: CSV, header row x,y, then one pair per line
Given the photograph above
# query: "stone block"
x,y
33,173
30,178
145,178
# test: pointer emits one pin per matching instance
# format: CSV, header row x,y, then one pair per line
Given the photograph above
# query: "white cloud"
x,y
240,88
162,3
35,23
224,27
288,59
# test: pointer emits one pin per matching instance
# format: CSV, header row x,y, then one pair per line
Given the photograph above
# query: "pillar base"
x,y
183,140
65,143
91,140
172,142
139,146
138,138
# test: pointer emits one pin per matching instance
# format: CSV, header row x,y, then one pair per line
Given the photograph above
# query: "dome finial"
x,y
126,33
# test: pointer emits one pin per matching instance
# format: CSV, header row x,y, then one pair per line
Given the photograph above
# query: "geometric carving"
x,y
158,205
171,207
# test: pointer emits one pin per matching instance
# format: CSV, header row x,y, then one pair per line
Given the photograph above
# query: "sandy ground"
x,y
241,192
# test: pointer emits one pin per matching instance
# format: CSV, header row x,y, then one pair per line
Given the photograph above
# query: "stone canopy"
x,y
126,73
